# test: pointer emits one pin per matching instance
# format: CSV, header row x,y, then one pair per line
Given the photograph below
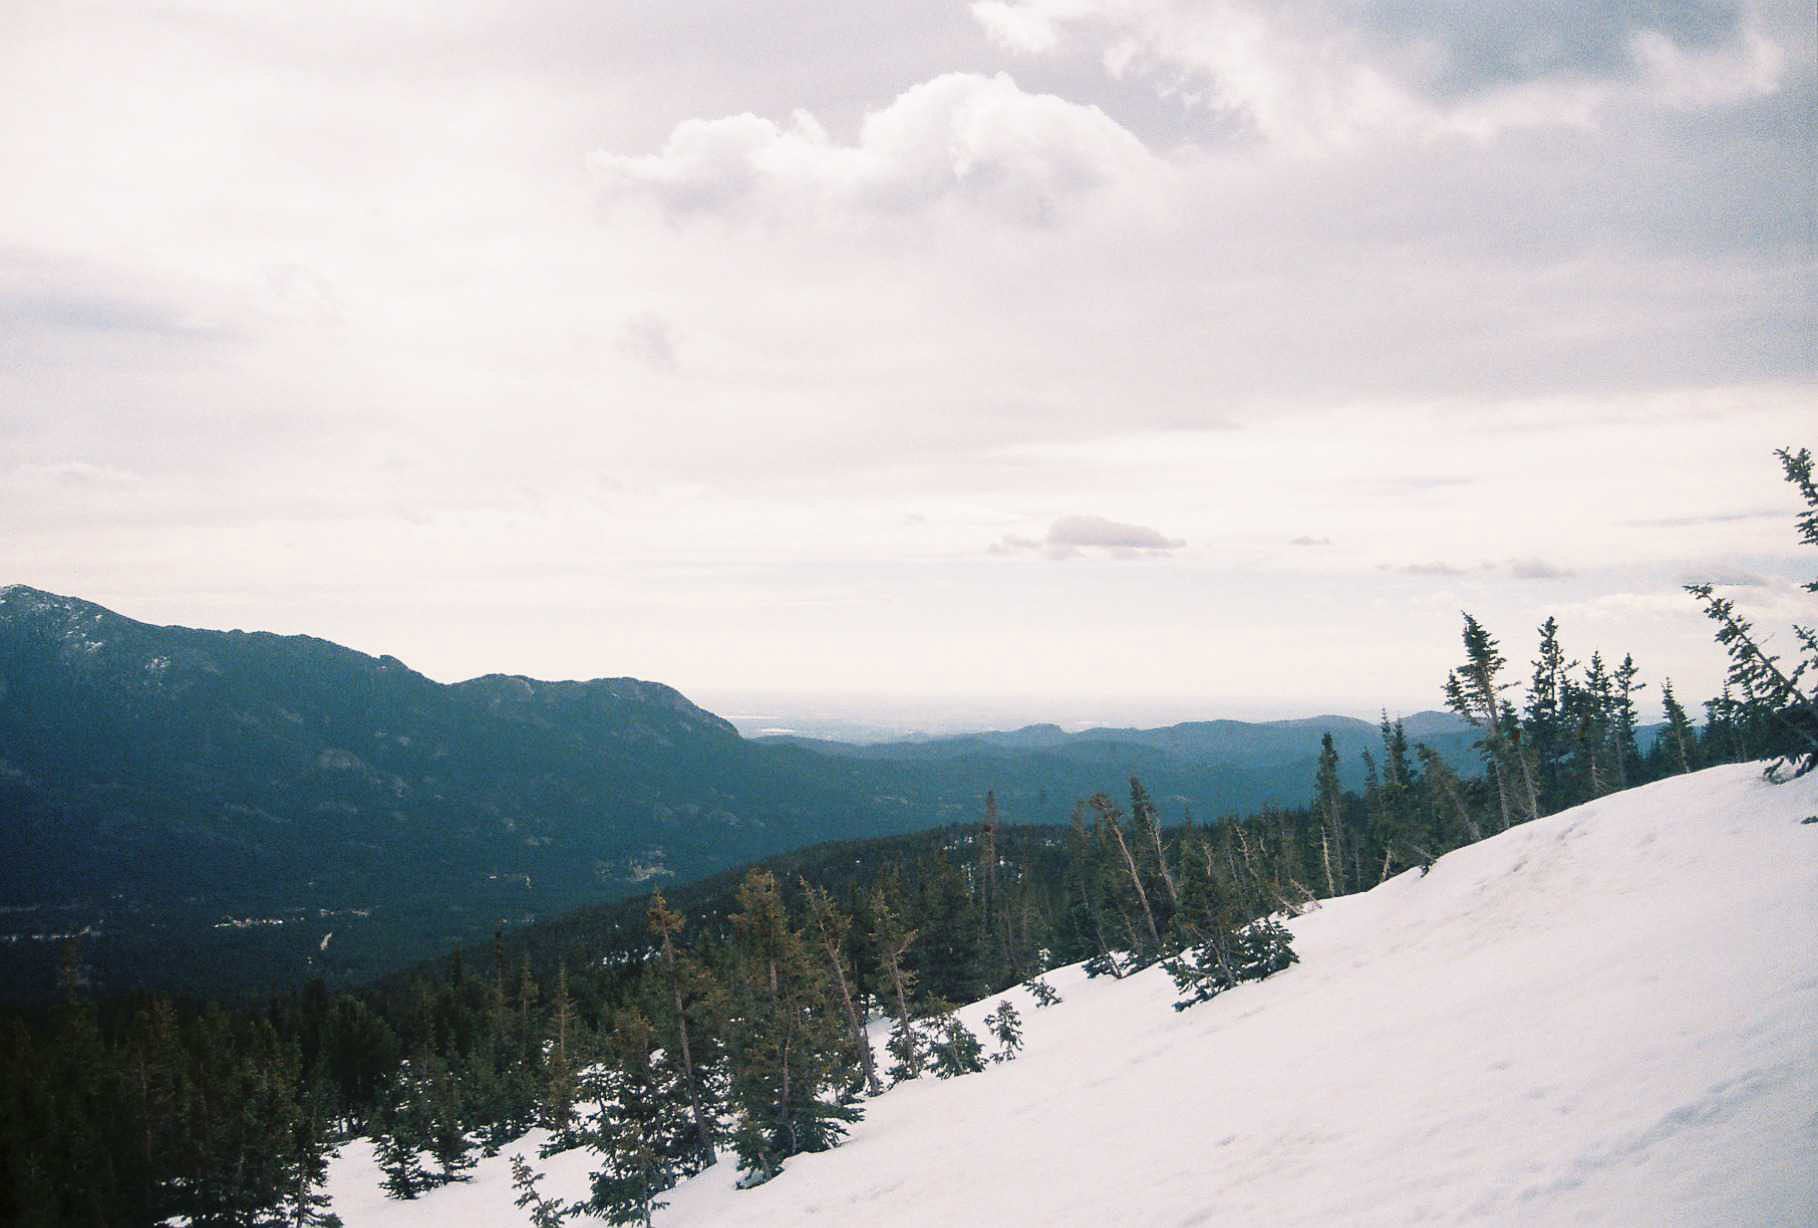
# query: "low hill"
x,y
1604,1016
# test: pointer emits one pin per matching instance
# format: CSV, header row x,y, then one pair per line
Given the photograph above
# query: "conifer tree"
x,y
1546,719
1149,943
544,1212
893,943
402,1137
643,1130
1145,824
953,1046
1593,703
1778,709
666,925
1474,692
1007,1029
1044,993
787,1041
1681,738
306,1203
1624,719
1085,896
827,928
1448,797
560,1074
1331,817
447,1138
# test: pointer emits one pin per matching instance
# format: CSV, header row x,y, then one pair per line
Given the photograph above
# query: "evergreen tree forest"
x,y
725,1022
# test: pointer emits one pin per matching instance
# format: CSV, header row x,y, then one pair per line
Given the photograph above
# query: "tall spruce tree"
x,y
666,925
1778,709
643,1130
1474,691
1330,802
1680,740
788,1043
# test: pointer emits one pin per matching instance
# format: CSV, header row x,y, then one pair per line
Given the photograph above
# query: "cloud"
x,y
961,139
1727,577
1537,569
1071,536
1434,569
1685,522
1310,541
1421,569
647,338
1327,73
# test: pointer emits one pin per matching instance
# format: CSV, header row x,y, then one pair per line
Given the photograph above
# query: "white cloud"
x,y
1071,536
648,339
1325,75
961,138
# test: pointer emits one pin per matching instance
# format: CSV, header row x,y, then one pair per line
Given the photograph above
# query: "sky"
x,y
1129,360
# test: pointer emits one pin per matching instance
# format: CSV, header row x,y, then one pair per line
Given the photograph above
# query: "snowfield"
x,y
1609,1016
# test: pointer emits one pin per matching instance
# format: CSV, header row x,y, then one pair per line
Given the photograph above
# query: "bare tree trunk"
x,y
1142,897
858,1032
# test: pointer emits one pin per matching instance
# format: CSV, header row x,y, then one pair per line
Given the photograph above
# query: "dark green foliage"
x,y
1776,715
401,1135
644,1131
1253,952
789,1050
544,1212
171,779
1045,994
953,1047
1007,1029
447,1138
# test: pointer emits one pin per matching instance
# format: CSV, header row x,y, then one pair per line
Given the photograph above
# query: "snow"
x,y
1609,1016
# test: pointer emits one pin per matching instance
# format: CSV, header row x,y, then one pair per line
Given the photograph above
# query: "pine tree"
x,y
1007,1029
788,1043
954,1047
403,1134
828,928
1681,738
560,1072
1777,707
643,1131
1331,817
893,943
1546,717
544,1212
447,1139
1147,945
667,927
305,1202
1624,719
1044,993
1474,692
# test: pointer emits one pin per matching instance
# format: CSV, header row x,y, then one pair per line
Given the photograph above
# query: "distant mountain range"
x,y
219,809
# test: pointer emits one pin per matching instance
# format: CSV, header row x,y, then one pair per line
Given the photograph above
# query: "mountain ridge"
x,y
186,795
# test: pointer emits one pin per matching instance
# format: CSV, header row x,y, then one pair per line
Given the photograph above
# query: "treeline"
x,y
733,1019
658,1035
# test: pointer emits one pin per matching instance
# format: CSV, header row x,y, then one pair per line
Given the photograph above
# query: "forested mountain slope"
x,y
216,811
1603,1016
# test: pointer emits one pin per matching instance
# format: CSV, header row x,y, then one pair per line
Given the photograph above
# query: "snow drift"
x,y
1606,1016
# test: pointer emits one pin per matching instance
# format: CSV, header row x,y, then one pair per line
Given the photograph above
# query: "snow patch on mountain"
x,y
1605,1016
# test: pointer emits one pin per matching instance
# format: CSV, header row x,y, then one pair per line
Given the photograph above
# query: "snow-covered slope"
x,y
1608,1016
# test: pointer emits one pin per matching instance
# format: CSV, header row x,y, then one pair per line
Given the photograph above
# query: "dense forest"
x,y
730,1013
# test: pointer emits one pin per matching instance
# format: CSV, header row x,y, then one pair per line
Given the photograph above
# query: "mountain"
x,y
1603,1016
173,788
214,810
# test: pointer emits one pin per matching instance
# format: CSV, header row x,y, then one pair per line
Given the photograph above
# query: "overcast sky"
x,y
1135,359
